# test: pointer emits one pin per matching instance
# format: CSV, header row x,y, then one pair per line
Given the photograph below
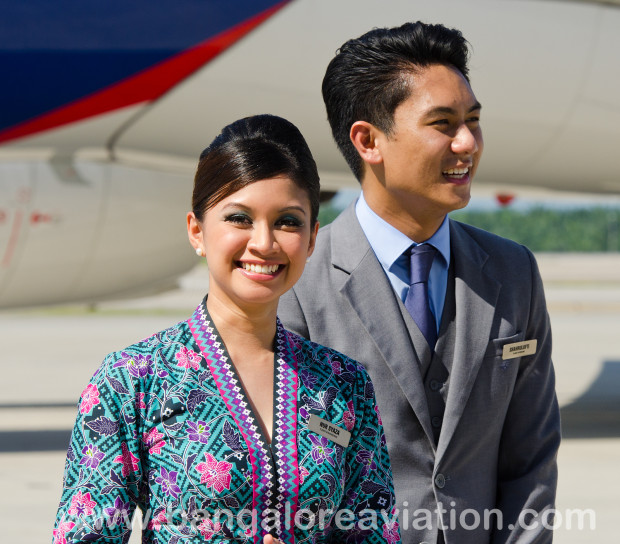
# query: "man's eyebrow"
x,y
446,110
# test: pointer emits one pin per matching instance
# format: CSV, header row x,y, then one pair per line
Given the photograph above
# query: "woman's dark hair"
x,y
371,76
254,149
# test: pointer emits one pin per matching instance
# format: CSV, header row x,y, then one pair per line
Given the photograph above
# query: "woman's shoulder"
x,y
178,333
138,358
318,355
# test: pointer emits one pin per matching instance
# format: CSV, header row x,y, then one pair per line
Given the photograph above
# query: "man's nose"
x,y
465,141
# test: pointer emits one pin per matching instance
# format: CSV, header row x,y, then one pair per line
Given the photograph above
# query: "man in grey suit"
x,y
460,356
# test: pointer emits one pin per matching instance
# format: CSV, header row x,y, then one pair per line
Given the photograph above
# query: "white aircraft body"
x,y
107,105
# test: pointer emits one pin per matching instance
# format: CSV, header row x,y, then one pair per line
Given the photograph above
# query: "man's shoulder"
x,y
490,242
503,258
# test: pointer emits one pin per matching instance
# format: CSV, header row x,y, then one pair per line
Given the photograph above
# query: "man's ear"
x,y
364,138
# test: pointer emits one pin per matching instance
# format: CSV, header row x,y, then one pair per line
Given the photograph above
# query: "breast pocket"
x,y
501,371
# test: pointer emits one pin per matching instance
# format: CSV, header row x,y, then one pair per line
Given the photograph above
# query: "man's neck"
x,y
417,222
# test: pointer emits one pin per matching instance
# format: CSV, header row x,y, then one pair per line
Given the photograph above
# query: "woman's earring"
x,y
199,251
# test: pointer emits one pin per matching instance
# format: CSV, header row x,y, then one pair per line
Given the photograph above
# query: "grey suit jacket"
x,y
500,433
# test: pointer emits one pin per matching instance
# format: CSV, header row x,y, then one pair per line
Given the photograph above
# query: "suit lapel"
x,y
372,297
476,295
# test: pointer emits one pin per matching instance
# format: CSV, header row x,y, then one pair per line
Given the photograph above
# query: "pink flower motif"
x,y
61,530
207,528
303,472
390,531
349,416
129,460
90,397
82,505
378,415
186,358
152,440
141,403
215,474
158,521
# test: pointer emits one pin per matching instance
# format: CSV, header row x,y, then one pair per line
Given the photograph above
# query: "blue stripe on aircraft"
x,y
53,53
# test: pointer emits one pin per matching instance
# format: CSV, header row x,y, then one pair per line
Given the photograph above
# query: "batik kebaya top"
x,y
165,425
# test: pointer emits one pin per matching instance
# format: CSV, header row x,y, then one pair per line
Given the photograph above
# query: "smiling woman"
x,y
227,427
255,207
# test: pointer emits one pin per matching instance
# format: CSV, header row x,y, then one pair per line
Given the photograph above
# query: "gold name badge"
x,y
519,349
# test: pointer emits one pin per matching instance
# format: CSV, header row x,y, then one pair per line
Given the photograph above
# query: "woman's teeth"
x,y
260,268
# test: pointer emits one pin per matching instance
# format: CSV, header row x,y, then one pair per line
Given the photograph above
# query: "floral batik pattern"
x,y
165,426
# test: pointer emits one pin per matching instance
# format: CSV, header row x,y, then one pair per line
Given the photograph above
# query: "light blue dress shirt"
x,y
389,244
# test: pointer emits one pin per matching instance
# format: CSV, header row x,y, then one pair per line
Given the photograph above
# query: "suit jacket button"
x,y
436,422
440,481
434,385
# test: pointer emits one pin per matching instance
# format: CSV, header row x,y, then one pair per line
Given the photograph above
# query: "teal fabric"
x,y
153,431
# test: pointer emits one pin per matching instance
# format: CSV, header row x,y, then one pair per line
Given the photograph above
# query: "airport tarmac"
x,y
47,356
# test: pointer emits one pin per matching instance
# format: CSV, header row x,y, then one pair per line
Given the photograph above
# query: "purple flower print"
x,y
129,460
366,458
118,513
198,431
186,358
308,378
82,505
336,366
90,397
303,472
351,496
320,450
92,456
138,365
168,482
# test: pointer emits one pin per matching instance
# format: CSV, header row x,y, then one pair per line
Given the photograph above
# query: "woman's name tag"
x,y
334,433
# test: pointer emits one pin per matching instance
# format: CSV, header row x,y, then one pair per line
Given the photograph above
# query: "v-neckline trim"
x,y
275,467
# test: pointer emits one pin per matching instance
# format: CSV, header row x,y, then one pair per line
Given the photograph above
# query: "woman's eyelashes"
x,y
286,221
290,221
238,218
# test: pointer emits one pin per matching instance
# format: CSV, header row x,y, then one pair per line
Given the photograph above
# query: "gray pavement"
x,y
47,356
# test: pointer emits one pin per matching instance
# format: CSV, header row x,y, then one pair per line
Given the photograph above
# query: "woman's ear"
x,y
194,233
364,137
313,234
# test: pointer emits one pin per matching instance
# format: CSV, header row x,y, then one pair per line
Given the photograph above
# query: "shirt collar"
x,y
389,243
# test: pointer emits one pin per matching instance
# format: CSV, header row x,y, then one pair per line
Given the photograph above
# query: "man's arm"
x,y
527,468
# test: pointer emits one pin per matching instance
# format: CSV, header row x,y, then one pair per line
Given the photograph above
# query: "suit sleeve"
x,y
291,314
103,467
527,469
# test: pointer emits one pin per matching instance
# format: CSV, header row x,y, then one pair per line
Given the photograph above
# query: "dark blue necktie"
x,y
417,302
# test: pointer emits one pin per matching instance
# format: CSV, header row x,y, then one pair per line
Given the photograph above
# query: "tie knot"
x,y
421,261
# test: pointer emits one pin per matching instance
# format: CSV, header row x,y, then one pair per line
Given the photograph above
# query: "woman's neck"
x,y
244,330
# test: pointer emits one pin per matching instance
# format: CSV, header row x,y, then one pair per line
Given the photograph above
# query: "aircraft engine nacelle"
x,y
87,229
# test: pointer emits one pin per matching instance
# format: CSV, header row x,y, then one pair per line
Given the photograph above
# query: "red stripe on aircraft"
x,y
145,86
